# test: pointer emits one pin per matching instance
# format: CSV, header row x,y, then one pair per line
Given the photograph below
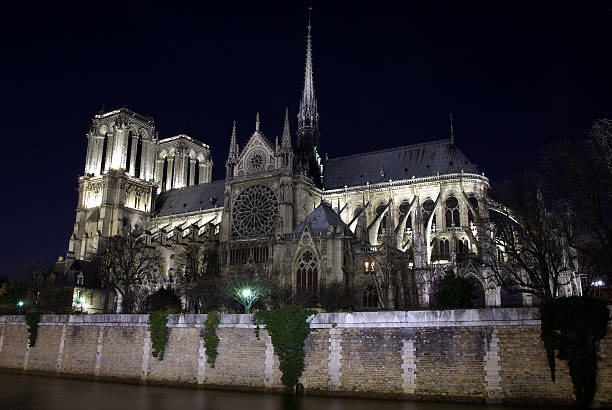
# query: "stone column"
x,y
109,151
97,155
119,148
203,173
159,171
132,170
89,155
192,163
169,173
179,170
147,161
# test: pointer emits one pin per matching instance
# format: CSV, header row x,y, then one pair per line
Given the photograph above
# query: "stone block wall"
x,y
487,355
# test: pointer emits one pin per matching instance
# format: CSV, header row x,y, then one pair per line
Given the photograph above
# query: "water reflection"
x,y
22,392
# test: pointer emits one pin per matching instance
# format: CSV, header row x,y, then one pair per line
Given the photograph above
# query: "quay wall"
x,y
475,355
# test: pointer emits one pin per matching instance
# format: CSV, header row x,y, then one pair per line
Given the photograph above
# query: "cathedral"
x,y
286,212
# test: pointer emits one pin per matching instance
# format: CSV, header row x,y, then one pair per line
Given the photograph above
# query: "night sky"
x,y
516,75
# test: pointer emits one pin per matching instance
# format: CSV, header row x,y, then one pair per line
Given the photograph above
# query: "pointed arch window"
x,y
474,203
307,275
452,212
403,210
370,297
428,208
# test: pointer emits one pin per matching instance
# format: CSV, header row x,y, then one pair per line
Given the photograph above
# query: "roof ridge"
x,y
410,146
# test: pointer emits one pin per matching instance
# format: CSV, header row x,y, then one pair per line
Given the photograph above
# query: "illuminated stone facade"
x,y
423,206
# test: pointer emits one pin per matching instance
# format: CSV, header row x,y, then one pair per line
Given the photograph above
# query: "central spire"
x,y
308,116
308,159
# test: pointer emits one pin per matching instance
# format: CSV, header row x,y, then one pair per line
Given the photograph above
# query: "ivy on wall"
x,y
211,340
288,327
573,327
32,319
159,332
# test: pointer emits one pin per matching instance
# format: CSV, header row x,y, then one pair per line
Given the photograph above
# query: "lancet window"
x,y
307,275
452,212
403,210
370,297
428,208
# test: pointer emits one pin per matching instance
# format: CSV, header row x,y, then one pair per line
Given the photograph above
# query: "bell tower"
x,y
117,188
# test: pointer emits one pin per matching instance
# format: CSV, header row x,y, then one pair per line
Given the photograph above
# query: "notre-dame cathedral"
x,y
285,211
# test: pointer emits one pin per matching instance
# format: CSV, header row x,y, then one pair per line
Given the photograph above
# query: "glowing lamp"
x,y
20,303
246,293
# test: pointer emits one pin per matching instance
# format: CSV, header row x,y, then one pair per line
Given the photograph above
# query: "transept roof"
x,y
321,219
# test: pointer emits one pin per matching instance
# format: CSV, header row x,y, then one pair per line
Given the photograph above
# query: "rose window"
x,y
256,161
254,212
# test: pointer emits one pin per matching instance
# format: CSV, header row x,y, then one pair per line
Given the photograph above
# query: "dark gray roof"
x,y
420,160
190,199
321,219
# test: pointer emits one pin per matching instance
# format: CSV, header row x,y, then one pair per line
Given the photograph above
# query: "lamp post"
x,y
247,296
20,306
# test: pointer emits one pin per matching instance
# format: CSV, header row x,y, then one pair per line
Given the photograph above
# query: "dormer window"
x,y
79,279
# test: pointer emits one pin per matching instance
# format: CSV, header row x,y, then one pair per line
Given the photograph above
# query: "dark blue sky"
x,y
517,75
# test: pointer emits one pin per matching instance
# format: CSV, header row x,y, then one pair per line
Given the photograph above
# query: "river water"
x,y
24,392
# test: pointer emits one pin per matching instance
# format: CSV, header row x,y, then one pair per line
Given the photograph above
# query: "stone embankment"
x,y
486,355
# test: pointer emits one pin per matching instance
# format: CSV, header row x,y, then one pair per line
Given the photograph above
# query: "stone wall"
x,y
487,355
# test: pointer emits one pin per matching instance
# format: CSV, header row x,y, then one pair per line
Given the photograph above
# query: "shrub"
x,y
453,292
164,299
574,326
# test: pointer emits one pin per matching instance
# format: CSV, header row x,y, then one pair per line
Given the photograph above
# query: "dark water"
x,y
19,392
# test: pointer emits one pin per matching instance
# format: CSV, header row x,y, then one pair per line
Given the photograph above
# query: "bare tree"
x,y
527,253
579,172
198,281
392,279
101,266
135,266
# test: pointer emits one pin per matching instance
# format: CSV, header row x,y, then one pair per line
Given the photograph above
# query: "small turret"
x,y
232,156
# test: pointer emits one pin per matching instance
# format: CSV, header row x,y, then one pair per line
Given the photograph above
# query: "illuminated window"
x,y
366,266
452,212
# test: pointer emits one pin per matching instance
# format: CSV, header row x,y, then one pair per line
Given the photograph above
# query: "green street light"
x,y
246,293
20,303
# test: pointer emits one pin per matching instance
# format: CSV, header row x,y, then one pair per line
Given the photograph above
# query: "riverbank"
x,y
474,355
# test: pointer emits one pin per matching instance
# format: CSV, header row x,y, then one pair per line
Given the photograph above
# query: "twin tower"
x,y
127,166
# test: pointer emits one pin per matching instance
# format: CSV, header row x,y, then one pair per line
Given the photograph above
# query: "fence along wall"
x,y
492,355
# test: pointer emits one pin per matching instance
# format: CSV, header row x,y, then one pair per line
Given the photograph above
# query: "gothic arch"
x,y
306,272
478,289
451,212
